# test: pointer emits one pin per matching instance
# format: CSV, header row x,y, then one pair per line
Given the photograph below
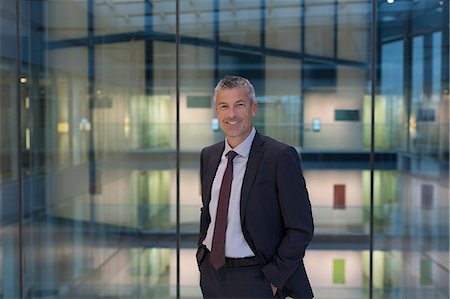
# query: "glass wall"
x,y
411,202
99,175
10,177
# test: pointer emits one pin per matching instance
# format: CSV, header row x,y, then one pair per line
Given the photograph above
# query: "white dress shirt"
x,y
235,244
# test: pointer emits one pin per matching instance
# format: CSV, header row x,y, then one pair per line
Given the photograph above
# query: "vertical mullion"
x,y
427,65
19,153
91,92
177,75
372,141
407,77
262,26
302,72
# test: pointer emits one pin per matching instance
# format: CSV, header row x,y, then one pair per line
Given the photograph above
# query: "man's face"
x,y
235,112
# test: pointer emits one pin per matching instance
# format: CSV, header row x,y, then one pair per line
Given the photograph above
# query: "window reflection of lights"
x,y
63,127
390,1
388,18
23,80
316,124
126,126
27,138
85,125
215,124
412,127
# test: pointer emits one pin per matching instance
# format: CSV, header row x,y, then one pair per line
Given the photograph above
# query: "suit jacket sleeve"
x,y
203,213
296,213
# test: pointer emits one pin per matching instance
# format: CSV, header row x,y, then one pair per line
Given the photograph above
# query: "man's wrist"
x,y
274,289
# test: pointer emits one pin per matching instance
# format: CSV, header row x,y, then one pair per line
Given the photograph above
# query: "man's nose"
x,y
231,112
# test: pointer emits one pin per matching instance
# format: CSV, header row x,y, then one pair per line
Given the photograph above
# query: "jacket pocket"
x,y
201,254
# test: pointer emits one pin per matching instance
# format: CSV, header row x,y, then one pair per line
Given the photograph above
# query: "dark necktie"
x,y
217,257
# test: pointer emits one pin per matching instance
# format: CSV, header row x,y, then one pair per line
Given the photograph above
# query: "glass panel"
x,y
9,168
197,80
336,144
118,16
417,69
348,94
196,132
98,94
436,57
319,27
75,22
282,25
240,22
196,18
294,92
163,16
197,129
281,106
100,182
340,273
353,30
65,103
412,199
119,90
391,119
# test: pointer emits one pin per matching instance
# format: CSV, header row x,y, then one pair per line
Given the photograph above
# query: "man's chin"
x,y
230,131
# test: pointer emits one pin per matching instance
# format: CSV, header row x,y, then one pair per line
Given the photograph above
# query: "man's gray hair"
x,y
231,82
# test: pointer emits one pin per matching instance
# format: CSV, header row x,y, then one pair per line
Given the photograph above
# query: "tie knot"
x,y
231,154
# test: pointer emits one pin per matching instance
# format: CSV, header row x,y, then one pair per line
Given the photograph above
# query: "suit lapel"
x,y
254,158
213,164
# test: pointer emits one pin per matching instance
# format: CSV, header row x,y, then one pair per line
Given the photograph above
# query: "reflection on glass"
x,y
412,203
353,30
283,25
319,28
240,22
9,154
98,90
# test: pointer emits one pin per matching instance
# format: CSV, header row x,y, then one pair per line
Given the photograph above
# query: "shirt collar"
x,y
243,149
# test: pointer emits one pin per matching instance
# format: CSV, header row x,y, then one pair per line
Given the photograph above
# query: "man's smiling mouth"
x,y
232,122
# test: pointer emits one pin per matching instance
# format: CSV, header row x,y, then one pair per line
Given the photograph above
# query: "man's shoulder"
x,y
219,146
273,143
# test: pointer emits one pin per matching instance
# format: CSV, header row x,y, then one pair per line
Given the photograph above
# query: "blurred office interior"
x,y
106,104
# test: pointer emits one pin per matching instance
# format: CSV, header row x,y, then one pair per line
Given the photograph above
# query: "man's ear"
x,y
254,108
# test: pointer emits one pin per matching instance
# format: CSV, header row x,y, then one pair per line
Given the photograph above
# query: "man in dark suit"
x,y
256,222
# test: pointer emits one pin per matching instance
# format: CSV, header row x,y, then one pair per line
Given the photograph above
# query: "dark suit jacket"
x,y
276,214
